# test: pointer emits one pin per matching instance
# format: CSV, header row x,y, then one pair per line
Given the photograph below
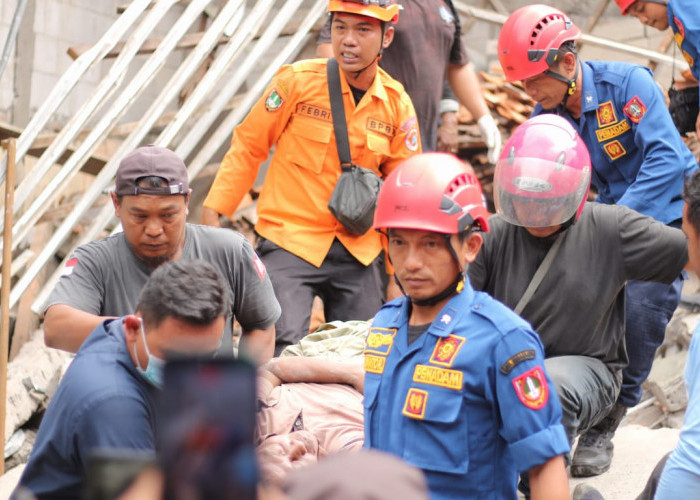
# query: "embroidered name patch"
x,y
514,361
635,109
274,101
532,389
314,112
374,364
416,400
441,377
381,127
614,150
380,340
607,133
606,114
446,349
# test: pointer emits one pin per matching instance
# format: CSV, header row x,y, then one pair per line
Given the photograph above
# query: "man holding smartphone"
x,y
106,399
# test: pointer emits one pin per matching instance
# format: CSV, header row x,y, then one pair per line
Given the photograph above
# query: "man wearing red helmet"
x,y
454,381
578,306
306,251
683,17
638,159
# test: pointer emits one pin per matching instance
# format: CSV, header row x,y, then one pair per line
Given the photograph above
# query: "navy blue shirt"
x,y
639,159
102,402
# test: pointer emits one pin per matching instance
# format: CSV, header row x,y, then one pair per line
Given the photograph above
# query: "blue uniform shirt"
x,y
468,402
102,402
684,20
681,475
639,159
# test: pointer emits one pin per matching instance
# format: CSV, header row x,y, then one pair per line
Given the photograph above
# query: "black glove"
x,y
683,107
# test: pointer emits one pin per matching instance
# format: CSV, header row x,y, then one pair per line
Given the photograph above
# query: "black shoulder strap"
x,y
540,273
338,111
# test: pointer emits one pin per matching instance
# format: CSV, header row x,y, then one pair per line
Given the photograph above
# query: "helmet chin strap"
x,y
571,84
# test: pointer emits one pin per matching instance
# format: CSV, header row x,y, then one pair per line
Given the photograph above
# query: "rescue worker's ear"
x,y
388,36
470,247
568,64
132,327
115,202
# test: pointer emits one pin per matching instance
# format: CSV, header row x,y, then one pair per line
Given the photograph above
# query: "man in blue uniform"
x,y
683,17
107,399
454,381
639,160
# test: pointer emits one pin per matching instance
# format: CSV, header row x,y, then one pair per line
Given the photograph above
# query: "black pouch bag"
x,y
354,198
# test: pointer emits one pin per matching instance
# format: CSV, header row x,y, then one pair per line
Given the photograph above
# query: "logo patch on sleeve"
x,y
606,114
374,364
635,109
274,101
68,268
614,149
380,340
259,266
532,389
416,401
446,350
514,361
411,140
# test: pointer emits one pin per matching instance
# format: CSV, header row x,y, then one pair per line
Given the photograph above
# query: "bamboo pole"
x,y
11,146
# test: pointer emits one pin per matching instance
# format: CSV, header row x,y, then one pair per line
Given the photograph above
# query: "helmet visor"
x,y
532,192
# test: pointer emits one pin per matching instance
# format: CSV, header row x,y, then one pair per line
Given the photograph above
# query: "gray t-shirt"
x,y
579,307
104,277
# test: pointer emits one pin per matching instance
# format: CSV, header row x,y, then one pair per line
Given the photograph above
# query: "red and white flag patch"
x,y
259,266
68,268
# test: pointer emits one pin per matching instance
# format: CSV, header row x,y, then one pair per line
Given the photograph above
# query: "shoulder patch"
x,y
635,109
259,266
68,268
514,361
532,389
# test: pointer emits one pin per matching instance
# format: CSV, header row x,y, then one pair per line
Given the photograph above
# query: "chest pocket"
x,y
309,142
438,440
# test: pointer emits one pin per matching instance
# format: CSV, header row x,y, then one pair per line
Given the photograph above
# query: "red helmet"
x,y
530,39
431,192
384,10
624,5
543,175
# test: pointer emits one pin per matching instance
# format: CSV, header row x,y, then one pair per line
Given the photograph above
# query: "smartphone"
x,y
206,429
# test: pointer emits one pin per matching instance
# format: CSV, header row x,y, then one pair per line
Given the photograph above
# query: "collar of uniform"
x,y
443,323
376,89
589,95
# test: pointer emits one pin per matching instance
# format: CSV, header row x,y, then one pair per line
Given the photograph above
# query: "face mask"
x,y
154,368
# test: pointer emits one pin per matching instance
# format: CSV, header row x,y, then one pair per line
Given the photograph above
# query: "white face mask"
x,y
154,368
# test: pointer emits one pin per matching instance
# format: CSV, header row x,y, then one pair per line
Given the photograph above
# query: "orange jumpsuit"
x,y
294,115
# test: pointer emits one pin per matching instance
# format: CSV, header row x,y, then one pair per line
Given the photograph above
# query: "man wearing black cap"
x,y
103,278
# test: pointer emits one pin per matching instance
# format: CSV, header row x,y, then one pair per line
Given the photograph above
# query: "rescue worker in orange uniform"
x,y
306,251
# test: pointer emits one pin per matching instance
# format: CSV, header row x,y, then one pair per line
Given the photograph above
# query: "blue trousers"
x,y
649,307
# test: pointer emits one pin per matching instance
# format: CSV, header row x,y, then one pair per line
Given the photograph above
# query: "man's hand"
x,y
447,134
210,217
491,135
